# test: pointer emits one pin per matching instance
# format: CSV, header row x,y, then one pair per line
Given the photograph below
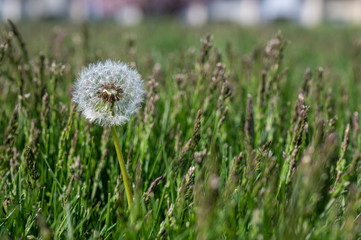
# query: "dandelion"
x,y
108,93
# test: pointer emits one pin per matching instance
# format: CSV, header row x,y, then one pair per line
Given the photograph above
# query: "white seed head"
x,y
108,93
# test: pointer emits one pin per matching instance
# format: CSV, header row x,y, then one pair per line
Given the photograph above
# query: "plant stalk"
x,y
123,169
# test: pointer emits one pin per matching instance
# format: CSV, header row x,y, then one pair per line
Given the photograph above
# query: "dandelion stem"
x,y
123,170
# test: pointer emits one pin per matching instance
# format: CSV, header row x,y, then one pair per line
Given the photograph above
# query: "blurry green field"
x,y
236,139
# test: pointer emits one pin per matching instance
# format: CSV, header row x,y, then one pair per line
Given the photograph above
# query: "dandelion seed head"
x,y
108,93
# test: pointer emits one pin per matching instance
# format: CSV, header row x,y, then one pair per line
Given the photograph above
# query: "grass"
x,y
237,139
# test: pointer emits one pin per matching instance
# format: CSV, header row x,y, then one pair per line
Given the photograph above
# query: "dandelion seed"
x,y
108,93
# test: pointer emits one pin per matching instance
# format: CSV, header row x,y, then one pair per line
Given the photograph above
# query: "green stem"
x,y
123,170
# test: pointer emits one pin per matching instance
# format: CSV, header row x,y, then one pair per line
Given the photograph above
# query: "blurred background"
x,y
193,12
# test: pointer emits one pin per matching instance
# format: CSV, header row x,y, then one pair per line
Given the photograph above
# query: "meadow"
x,y
244,133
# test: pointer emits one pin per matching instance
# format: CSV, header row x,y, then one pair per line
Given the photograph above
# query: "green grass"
x,y
233,141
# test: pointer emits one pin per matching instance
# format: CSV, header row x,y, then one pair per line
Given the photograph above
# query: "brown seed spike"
x,y
110,92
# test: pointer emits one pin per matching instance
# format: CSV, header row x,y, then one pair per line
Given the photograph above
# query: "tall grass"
x,y
230,143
